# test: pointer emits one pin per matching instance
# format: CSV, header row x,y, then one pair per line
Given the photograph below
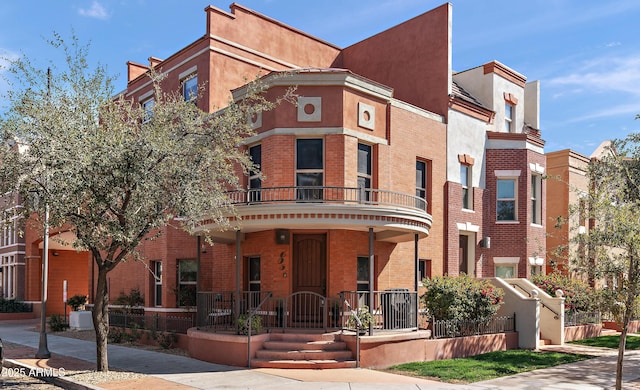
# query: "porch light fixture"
x,y
282,236
485,243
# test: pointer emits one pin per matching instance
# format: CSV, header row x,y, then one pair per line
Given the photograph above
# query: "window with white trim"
x,y
508,117
255,183
363,274
506,267
364,170
536,199
157,283
190,88
187,280
467,189
147,106
309,168
506,199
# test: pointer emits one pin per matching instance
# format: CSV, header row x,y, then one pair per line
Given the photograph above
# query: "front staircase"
x,y
301,350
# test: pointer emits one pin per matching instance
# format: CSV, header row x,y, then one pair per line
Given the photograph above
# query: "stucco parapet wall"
x,y
417,110
394,224
505,72
321,77
498,140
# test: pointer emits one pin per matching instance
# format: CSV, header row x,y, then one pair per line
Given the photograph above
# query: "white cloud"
x,y
96,11
606,74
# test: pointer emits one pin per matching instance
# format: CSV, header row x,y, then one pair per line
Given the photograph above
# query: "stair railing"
x,y
359,326
248,324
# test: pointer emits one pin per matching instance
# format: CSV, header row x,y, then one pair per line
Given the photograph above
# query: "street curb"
x,y
66,383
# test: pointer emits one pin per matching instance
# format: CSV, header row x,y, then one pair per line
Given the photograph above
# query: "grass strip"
x,y
486,366
613,341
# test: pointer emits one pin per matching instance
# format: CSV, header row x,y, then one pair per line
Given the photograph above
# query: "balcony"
x,y
394,216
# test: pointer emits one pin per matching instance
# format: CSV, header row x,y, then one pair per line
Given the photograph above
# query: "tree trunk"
x,y
101,320
621,347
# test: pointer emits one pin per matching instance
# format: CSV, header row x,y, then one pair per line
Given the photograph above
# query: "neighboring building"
x,y
568,185
12,251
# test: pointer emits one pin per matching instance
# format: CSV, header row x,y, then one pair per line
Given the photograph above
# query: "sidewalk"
x,y
177,372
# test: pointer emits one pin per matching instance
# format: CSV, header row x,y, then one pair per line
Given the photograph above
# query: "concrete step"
x,y
543,342
304,350
304,355
302,364
302,345
302,337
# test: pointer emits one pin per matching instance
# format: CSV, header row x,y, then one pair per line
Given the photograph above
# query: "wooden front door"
x,y
309,279
310,263
463,255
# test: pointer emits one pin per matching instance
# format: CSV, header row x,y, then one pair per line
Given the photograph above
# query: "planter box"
x,y
80,320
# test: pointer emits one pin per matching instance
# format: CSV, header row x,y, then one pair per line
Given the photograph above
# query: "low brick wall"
x,y
634,326
580,332
17,316
223,348
387,350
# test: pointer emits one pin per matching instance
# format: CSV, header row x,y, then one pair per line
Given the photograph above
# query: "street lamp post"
x,y
43,350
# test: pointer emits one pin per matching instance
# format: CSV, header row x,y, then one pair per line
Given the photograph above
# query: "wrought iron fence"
x,y
457,328
155,322
315,194
219,311
393,309
582,318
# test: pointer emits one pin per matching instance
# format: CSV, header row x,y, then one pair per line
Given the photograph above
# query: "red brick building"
x,y
390,168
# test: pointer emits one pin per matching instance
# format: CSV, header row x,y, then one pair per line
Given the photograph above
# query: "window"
x,y
506,200
536,197
536,270
508,117
157,284
187,278
363,273
364,171
424,270
422,184
505,271
147,106
255,183
467,190
190,88
309,168
253,279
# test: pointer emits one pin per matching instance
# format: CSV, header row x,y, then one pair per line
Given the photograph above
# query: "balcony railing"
x,y
340,195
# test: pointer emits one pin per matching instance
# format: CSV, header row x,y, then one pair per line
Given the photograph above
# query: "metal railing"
x,y
321,194
582,318
394,309
218,311
151,322
457,328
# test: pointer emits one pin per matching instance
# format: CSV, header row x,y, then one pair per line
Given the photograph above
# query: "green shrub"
x,y
461,298
365,318
243,325
77,302
130,301
166,340
57,323
579,296
13,306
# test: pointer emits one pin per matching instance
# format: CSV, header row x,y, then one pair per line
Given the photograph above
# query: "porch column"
x,y
238,262
416,275
371,278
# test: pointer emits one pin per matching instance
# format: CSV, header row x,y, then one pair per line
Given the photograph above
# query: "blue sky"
x,y
586,53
